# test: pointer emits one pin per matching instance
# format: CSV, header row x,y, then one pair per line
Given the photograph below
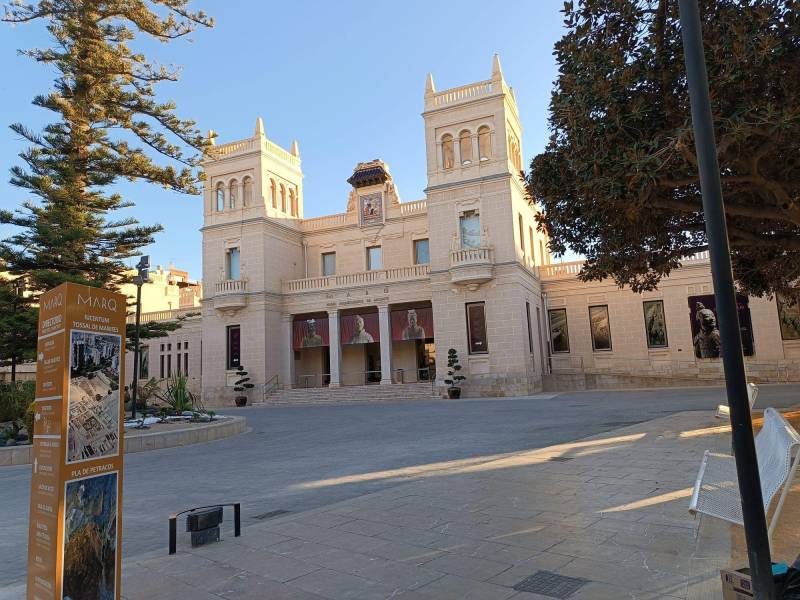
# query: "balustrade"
x,y
355,279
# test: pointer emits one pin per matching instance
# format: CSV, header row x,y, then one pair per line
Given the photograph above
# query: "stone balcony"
x,y
472,266
345,280
230,295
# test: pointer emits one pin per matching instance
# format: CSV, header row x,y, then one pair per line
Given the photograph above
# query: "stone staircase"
x,y
355,394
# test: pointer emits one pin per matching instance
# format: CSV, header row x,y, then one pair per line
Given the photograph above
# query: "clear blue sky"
x,y
345,79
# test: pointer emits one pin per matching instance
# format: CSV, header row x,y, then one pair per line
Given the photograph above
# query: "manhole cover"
x,y
551,584
560,458
271,514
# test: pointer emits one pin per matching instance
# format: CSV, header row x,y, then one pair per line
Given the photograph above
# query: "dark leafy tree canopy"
x,y
618,181
109,124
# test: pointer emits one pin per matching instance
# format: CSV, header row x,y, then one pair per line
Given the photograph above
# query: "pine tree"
x,y
108,121
18,324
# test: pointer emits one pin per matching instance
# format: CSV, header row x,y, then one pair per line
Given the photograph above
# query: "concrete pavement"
x,y
607,512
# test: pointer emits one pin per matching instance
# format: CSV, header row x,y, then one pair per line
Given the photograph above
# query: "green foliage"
x,y
177,395
107,121
618,181
16,406
242,385
18,323
454,377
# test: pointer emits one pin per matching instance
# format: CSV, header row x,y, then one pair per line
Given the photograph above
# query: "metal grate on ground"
x,y
551,584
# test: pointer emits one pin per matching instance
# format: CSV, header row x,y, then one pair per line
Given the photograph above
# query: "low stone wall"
x,y
571,382
180,436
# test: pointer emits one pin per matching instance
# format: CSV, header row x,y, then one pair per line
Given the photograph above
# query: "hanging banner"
x,y
310,333
705,334
360,329
75,541
412,323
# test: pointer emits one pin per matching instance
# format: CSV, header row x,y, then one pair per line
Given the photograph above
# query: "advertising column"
x,y
75,535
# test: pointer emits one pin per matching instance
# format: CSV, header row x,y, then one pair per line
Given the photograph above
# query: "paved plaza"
x,y
430,500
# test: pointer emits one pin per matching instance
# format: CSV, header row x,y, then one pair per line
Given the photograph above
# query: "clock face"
x,y
371,208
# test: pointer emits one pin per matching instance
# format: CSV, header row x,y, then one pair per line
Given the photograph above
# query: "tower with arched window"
x,y
484,256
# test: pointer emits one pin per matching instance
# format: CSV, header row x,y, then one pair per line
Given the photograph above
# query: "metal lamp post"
x,y
755,523
140,279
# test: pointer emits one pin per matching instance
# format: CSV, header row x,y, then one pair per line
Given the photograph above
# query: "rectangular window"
x,y
161,370
178,362
476,328
144,362
185,363
521,233
169,347
559,332
422,255
232,262
655,324
530,239
328,264
530,329
234,346
601,328
169,365
470,228
162,347
374,258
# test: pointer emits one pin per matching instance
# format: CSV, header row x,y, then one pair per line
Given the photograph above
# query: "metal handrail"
x,y
268,387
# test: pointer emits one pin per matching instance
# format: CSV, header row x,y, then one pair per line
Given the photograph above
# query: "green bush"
x,y
15,399
177,394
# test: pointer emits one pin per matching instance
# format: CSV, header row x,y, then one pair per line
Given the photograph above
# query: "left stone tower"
x,y
253,210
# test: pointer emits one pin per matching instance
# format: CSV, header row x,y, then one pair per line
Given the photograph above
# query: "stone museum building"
x,y
378,293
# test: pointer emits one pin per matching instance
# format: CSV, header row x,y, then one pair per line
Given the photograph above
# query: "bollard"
x,y
237,522
173,533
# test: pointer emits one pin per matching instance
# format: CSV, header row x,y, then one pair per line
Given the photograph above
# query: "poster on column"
x,y
363,328
74,539
412,323
310,332
705,332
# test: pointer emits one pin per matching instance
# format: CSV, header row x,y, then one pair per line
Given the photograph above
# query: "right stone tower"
x,y
485,250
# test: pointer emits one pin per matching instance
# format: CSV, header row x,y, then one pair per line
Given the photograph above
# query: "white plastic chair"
x,y
716,490
724,411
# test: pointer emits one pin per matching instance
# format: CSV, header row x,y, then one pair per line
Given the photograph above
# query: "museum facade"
x,y
378,293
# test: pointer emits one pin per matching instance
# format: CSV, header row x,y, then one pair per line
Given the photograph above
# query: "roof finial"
x,y
497,72
259,127
295,149
212,137
429,87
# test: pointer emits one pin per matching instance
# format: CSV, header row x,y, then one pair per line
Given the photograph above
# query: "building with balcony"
x,y
378,293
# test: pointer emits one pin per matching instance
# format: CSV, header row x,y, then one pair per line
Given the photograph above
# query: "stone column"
x,y
386,345
335,348
288,339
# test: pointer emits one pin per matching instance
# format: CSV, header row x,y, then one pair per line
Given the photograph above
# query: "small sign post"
x,y
75,530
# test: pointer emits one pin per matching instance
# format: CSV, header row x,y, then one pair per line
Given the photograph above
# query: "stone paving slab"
x,y
611,509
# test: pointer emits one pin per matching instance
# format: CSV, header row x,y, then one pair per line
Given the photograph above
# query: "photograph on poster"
x,y
90,538
412,323
360,329
601,329
789,317
655,324
311,332
705,331
559,333
93,404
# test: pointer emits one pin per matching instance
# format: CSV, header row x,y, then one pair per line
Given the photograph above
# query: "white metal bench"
x,y
716,491
724,411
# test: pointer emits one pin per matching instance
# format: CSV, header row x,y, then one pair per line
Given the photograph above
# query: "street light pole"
x,y
139,280
755,523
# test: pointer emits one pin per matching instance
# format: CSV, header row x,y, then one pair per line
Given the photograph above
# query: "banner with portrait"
x,y
705,330
311,332
362,328
789,318
412,323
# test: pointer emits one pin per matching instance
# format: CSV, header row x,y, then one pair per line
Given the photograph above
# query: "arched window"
x,y
247,192
484,143
447,152
233,190
220,197
292,202
283,198
465,146
273,193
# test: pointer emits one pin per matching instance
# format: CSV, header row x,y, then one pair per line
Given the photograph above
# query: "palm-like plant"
x,y
177,394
